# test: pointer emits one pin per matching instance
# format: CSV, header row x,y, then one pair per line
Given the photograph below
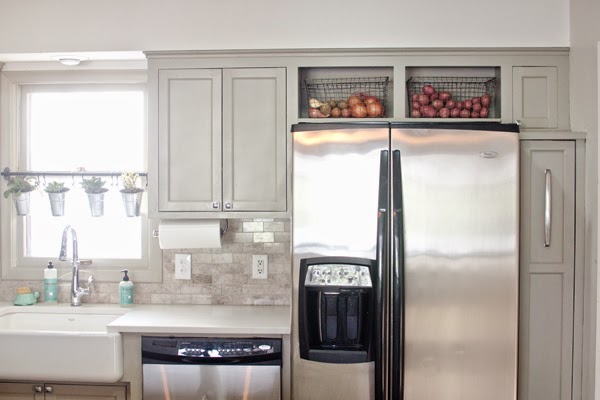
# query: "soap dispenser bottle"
x,y
50,284
125,290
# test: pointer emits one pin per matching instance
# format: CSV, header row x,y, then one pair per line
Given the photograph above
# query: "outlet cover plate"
x,y
260,267
183,266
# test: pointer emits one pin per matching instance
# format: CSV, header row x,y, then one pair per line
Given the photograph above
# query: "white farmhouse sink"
x,y
60,343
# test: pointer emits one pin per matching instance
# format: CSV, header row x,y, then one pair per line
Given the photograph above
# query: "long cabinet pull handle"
x,y
548,208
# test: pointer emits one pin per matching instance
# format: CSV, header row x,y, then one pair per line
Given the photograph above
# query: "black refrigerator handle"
x,y
379,279
397,301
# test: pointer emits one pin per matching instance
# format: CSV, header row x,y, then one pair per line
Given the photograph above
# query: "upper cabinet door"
x,y
535,97
189,176
254,139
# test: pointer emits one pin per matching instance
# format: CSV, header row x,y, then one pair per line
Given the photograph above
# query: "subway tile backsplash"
x,y
219,276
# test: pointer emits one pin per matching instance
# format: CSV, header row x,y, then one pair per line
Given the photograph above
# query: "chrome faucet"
x,y
77,292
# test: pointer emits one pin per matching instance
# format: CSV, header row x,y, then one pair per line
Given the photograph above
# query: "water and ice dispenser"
x,y
335,309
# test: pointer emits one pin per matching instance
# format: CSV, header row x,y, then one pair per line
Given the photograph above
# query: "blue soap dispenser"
x,y
50,284
125,290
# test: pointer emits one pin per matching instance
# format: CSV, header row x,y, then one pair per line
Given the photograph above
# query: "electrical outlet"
x,y
260,267
183,266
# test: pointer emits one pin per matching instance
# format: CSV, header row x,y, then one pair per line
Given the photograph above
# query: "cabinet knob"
x,y
215,204
37,389
48,389
228,206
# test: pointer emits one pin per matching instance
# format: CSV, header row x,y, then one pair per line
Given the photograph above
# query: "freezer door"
x,y
460,209
335,213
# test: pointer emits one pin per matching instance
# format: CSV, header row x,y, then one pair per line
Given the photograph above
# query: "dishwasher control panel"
x,y
239,350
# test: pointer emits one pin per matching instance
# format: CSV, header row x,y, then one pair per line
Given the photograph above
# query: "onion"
x,y
444,112
416,105
314,103
346,113
342,104
336,112
414,97
455,113
315,113
450,104
468,104
460,105
371,99
415,114
437,104
353,100
445,96
360,95
486,100
477,107
434,96
359,111
484,113
474,114
423,99
374,110
465,113
428,90
476,100
428,112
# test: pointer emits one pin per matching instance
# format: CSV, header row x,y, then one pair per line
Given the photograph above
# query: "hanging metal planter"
x,y
56,193
132,203
22,202
97,203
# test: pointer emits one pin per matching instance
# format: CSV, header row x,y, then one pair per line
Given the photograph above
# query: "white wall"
x,y
35,26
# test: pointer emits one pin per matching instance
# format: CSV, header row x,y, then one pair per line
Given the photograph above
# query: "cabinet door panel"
x,y
254,139
189,140
535,96
20,391
546,272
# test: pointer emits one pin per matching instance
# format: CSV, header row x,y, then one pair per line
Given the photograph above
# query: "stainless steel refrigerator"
x,y
430,211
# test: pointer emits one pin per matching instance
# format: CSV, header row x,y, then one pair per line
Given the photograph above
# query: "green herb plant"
x,y
129,180
56,187
93,185
19,184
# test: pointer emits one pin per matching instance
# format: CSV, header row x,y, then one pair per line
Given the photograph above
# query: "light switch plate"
x,y
183,266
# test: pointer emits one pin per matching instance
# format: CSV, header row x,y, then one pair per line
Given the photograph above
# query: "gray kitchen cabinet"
x,y
221,140
51,391
547,268
536,97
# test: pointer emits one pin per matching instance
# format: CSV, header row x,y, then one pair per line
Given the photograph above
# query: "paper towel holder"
x,y
156,233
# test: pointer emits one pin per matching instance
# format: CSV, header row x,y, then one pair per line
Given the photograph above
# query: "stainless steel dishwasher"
x,y
184,368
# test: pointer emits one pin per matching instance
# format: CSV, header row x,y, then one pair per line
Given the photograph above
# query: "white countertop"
x,y
183,319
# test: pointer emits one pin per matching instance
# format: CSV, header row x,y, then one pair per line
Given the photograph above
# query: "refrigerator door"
x,y
460,208
335,213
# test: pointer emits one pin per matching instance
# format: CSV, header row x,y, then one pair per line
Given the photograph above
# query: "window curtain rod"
x,y
7,173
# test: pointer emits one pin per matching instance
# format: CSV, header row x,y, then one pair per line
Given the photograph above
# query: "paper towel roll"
x,y
185,234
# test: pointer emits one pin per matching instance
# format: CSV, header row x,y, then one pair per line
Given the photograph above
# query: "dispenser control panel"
x,y
338,275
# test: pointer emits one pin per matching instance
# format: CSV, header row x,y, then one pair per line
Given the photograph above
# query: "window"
x,y
98,124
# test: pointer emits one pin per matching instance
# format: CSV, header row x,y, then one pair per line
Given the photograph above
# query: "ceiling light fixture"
x,y
70,60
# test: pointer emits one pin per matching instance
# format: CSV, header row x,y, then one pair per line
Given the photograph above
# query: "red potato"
x,y
450,104
428,90
444,112
437,104
416,105
434,96
468,104
336,112
477,107
445,96
423,99
428,112
465,113
455,113
460,105
346,113
474,114
415,114
484,113
414,97
476,100
486,100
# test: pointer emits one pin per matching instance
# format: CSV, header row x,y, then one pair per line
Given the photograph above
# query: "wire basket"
x,y
341,88
461,88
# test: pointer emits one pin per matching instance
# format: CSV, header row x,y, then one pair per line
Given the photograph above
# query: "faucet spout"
x,y
77,292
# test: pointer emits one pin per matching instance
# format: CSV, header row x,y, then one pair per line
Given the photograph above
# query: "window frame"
x,y
15,266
